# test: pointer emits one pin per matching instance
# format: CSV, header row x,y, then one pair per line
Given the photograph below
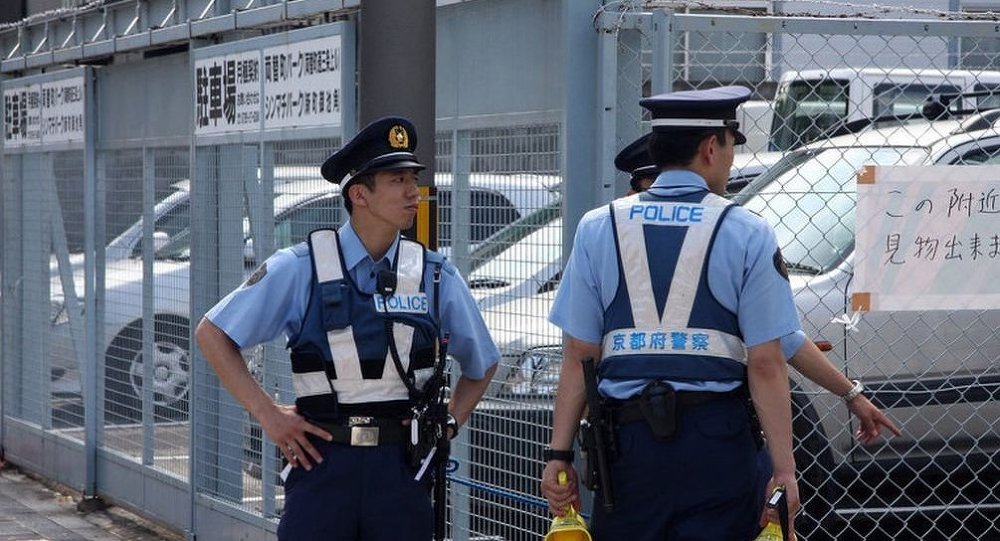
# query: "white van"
x,y
755,118
811,103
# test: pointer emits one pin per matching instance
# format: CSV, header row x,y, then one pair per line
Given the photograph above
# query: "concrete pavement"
x,y
32,511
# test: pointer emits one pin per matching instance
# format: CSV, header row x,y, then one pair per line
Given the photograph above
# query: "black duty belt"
x,y
629,411
361,431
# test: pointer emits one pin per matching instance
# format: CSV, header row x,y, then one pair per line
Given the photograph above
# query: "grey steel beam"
x,y
121,27
397,44
580,171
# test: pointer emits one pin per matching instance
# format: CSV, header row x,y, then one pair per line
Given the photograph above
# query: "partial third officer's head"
x,y
697,130
635,160
377,171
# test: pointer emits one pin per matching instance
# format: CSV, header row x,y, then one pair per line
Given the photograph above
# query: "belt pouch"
x,y
658,404
588,446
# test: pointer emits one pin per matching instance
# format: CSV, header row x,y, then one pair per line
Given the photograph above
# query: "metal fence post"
x,y
581,115
461,201
89,372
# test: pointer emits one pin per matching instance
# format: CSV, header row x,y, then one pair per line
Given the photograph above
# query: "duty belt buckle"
x,y
363,436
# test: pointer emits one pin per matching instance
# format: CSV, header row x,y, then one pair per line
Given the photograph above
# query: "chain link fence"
x,y
830,96
169,433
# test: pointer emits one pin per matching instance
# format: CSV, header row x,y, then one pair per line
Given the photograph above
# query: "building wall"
x,y
484,46
11,10
38,6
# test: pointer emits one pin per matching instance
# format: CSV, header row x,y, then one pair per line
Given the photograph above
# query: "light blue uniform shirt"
x,y
792,343
275,305
741,275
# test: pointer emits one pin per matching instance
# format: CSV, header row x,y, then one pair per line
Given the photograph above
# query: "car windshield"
x,y
809,199
804,110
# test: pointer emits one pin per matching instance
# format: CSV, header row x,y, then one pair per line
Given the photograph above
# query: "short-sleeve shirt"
x,y
743,275
273,301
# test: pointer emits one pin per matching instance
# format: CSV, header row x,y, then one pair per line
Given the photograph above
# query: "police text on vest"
x,y
402,304
660,213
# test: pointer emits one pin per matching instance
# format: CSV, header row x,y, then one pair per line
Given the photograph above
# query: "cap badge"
x,y
398,138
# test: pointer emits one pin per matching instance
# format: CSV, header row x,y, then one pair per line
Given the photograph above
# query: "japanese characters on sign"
x,y
928,237
44,113
227,93
302,84
290,85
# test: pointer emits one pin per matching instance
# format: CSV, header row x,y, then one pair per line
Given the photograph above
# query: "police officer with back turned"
x,y
684,322
802,353
369,316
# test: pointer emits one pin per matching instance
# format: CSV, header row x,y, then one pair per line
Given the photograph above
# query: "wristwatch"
x,y
452,423
857,389
565,455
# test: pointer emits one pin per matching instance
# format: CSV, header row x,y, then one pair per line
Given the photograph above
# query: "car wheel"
x,y
125,373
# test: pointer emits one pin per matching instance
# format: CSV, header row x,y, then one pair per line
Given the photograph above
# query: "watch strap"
x,y
856,390
565,455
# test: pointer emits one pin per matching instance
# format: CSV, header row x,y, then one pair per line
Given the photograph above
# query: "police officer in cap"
x,y
364,311
634,159
685,322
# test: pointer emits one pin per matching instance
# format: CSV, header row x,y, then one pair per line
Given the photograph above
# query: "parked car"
x,y
933,372
300,206
910,361
811,103
526,258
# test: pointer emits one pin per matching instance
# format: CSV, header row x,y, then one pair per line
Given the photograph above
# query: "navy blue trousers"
x,y
700,485
357,493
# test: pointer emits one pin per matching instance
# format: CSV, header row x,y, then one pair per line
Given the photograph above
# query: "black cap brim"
x,y
401,160
740,138
390,166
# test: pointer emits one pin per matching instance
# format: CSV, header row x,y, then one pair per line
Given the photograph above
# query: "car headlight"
x,y
536,373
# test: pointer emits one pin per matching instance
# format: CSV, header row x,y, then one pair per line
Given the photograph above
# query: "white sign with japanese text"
x,y
44,113
927,238
291,85
22,115
227,93
302,84
62,110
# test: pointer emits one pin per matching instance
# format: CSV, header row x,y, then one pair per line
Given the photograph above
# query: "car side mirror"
x,y
160,239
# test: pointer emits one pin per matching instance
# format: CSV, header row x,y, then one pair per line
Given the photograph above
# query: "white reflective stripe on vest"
x,y
664,341
349,384
630,215
327,268
346,360
310,384
409,268
355,390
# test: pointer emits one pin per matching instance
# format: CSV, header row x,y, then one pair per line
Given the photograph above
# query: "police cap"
x,y
634,159
387,143
698,109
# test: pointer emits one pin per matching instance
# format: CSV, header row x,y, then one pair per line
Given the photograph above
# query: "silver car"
x,y
300,206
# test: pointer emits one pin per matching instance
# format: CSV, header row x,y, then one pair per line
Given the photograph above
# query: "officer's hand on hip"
x,y
560,496
288,430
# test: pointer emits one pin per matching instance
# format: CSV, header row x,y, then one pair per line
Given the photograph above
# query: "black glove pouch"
x,y
658,403
588,447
